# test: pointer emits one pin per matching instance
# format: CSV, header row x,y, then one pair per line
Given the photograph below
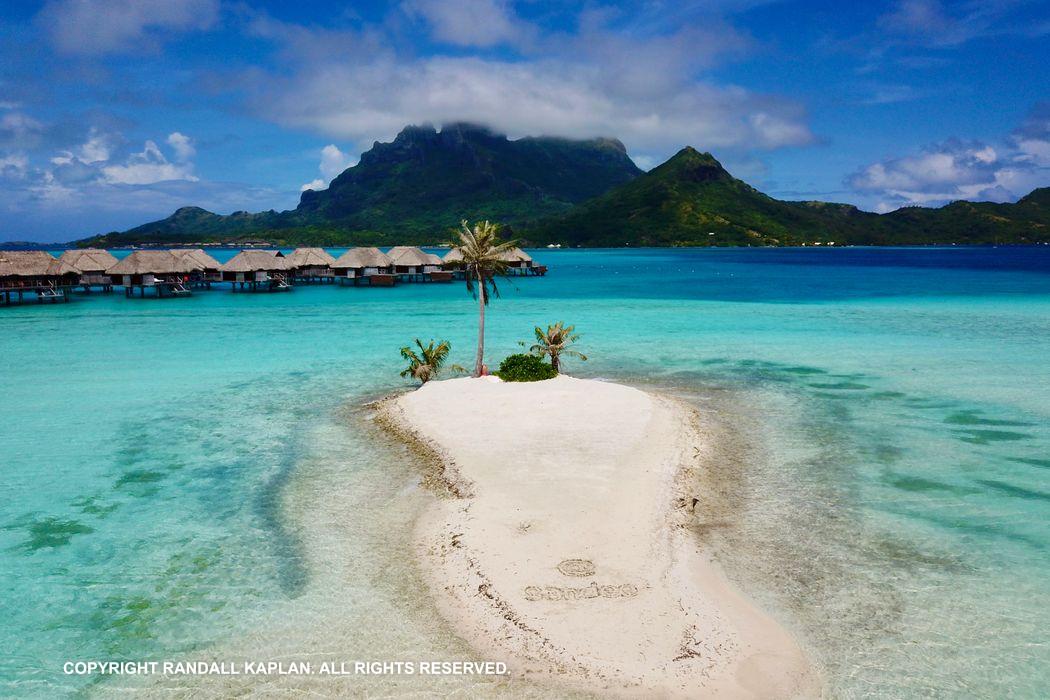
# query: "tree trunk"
x,y
554,362
481,326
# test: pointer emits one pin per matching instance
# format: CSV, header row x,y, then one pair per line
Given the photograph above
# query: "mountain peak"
x,y
691,164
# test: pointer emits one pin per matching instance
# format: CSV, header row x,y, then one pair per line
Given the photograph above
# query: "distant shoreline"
x,y
24,245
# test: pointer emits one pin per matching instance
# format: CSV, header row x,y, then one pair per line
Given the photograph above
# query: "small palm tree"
x,y
425,365
482,252
555,342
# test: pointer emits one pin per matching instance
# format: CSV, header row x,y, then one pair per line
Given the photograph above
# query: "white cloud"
x,y
147,167
956,169
95,149
480,23
121,26
182,145
646,89
18,130
333,162
932,23
14,166
1032,138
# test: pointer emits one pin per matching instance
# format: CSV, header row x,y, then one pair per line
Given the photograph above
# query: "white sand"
x,y
571,469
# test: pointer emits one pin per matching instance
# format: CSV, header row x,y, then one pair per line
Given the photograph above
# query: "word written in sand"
x,y
626,590
577,567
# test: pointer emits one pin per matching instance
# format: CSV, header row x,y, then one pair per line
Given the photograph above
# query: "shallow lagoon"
x,y
177,471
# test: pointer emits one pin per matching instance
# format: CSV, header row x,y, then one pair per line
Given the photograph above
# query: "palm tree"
x,y
426,365
555,342
482,252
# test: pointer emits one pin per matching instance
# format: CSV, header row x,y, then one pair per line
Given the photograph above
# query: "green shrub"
x,y
525,368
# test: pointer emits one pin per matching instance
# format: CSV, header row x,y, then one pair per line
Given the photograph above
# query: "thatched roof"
x,y
310,257
89,259
154,262
512,255
32,263
363,257
516,255
411,256
201,259
256,260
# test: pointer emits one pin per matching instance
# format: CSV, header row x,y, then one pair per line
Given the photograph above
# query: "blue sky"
x,y
116,112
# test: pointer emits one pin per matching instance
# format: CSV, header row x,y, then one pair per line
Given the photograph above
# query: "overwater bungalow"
x,y
413,264
164,272
518,262
34,271
364,265
92,264
521,263
208,271
311,265
257,271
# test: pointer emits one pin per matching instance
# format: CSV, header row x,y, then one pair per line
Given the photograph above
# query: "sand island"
x,y
566,545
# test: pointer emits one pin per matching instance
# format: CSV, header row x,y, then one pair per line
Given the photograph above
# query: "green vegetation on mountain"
x,y
413,190
692,201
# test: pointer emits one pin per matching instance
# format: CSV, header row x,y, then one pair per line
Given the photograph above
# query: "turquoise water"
x,y
189,475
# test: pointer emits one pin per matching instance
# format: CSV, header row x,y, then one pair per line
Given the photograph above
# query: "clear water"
x,y
186,477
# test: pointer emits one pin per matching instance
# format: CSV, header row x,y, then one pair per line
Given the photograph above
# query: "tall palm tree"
x,y
482,252
555,342
426,365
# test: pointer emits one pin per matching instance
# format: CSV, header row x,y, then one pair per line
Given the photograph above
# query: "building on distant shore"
x,y
37,272
367,265
92,264
311,264
163,272
257,271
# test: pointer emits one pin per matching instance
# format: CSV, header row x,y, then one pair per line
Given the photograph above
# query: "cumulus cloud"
x,y
147,167
14,166
480,23
333,162
19,130
182,145
1032,138
121,26
956,169
647,89
99,184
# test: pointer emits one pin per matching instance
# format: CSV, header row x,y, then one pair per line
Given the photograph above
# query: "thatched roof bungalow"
x,y
268,268
34,270
89,261
311,263
413,261
205,262
518,258
161,270
361,262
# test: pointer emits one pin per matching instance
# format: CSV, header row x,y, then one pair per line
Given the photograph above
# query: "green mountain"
x,y
692,200
415,188
582,193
